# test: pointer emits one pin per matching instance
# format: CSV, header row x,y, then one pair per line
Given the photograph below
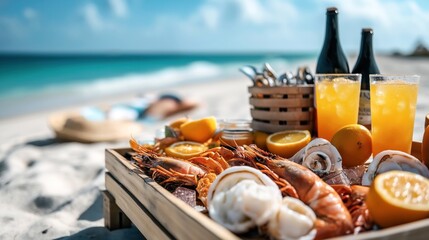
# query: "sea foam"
x,y
29,100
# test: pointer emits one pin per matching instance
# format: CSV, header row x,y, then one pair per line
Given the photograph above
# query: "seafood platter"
x,y
194,183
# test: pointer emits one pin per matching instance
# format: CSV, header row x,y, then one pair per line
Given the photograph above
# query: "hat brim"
x,y
70,126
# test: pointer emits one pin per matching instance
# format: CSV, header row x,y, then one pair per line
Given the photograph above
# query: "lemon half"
x,y
398,197
287,143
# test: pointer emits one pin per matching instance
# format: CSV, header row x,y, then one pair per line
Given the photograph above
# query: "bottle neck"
x,y
331,34
366,46
332,58
366,63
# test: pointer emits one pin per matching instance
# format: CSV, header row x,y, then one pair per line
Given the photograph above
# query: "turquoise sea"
x,y
34,82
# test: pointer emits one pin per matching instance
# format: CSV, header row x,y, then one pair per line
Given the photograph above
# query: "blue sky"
x,y
206,25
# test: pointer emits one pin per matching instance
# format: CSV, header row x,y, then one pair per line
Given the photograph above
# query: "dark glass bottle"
x,y
365,65
332,58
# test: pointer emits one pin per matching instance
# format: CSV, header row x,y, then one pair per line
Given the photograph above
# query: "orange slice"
x,y
287,143
398,197
185,149
354,143
199,130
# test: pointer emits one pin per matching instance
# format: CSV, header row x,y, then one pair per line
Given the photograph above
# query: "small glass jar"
x,y
235,132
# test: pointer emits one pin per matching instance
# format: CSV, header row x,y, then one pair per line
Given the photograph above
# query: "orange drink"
x,y
337,102
393,107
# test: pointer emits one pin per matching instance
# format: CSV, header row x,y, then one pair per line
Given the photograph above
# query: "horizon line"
x,y
172,53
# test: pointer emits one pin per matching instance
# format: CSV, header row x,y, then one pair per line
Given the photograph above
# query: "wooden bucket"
x,y
275,109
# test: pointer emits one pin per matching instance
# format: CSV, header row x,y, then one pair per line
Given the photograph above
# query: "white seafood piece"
x,y
293,220
389,160
321,157
242,197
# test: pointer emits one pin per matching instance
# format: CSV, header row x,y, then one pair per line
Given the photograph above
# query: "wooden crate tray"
x,y
131,196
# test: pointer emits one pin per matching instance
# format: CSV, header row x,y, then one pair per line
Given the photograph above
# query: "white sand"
x,y
51,190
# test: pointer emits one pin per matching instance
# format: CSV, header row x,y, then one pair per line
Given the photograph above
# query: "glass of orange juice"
x,y
393,107
337,102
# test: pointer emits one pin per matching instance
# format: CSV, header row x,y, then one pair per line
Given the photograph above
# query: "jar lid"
x,y
238,131
235,125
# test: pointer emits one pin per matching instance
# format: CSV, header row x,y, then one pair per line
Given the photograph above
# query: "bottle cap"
x,y
331,10
367,30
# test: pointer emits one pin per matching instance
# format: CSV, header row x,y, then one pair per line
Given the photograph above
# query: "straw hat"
x,y
71,126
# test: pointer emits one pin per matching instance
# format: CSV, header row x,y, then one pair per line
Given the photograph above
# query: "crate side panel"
x,y
416,150
138,214
175,215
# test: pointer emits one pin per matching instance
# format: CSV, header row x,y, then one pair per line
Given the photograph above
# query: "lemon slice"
x,y
199,130
398,197
185,149
287,143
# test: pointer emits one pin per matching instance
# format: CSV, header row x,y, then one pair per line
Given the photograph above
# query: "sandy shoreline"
x,y
52,190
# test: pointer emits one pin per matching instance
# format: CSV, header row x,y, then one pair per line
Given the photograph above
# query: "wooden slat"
x,y
139,215
281,103
271,128
283,116
308,89
176,216
416,231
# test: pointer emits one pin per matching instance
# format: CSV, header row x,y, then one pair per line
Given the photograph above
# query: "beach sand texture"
x,y
51,189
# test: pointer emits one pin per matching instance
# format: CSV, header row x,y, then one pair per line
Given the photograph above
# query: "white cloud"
x,y
395,23
98,20
19,27
210,16
272,25
12,27
237,24
365,9
119,7
217,14
252,11
257,12
92,17
30,14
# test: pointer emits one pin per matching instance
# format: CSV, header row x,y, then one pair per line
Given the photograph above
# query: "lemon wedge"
x,y
199,130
